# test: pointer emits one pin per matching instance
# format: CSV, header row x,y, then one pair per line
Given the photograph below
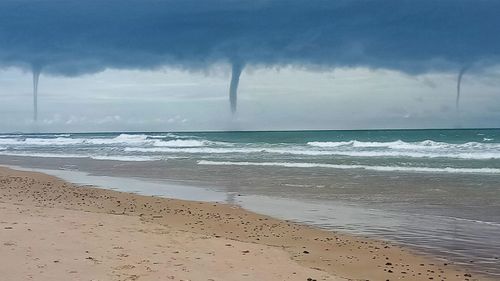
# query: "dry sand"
x,y
53,230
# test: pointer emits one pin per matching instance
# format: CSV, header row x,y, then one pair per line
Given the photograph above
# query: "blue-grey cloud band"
x,y
73,37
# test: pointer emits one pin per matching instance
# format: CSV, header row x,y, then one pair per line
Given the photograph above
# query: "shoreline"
x,y
328,253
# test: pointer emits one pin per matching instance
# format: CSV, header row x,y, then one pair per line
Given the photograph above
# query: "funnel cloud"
x,y
236,70
459,87
37,70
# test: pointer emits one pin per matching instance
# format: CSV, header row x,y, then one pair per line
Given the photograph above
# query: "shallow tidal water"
x,y
442,219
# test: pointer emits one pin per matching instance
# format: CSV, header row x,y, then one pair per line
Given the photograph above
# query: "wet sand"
x,y
53,230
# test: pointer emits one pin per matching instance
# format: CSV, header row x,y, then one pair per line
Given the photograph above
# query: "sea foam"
x,y
364,167
181,143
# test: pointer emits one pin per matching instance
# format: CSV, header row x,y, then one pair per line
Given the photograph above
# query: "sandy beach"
x,y
54,230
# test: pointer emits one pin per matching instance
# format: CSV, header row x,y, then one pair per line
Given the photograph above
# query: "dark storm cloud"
x,y
75,37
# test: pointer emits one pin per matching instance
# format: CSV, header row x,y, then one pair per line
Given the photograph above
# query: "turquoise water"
x,y
423,151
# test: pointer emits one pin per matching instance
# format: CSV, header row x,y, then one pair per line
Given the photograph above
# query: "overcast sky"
x,y
162,100
166,65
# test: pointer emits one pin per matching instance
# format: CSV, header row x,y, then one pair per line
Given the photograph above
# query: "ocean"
x,y
425,151
436,191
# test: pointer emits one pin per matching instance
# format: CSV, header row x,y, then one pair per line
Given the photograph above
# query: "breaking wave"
x,y
473,155
399,148
364,167
182,143
122,139
399,144
127,158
